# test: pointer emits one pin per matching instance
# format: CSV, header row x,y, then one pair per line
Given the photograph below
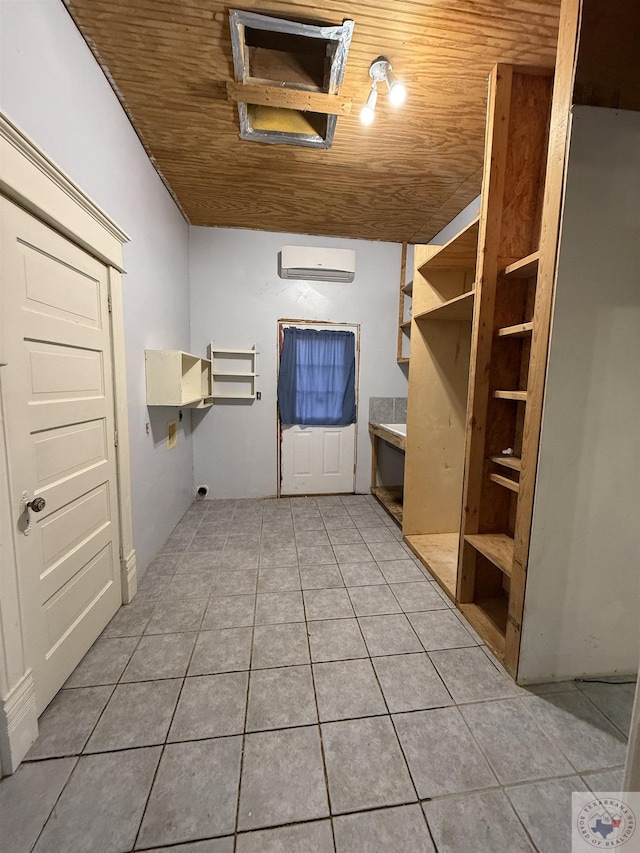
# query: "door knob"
x,y
37,504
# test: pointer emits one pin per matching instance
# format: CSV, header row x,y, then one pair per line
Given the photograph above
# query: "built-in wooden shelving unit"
x,y
404,311
491,572
538,263
443,298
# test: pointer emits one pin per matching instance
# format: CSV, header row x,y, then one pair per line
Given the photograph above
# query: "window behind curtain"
x,y
316,385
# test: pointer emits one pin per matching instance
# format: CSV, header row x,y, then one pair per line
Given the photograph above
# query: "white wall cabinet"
x,y
233,373
177,378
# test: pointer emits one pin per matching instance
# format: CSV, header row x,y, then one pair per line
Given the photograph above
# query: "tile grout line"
x,y
604,714
164,744
53,808
320,737
246,709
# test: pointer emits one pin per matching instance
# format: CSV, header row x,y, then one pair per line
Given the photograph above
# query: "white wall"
x,y
236,301
460,221
54,90
583,586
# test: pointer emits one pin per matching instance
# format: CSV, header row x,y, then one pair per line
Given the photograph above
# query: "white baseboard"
x,y
18,723
129,574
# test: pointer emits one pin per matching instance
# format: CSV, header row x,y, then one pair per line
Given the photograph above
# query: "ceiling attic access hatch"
x,y
287,78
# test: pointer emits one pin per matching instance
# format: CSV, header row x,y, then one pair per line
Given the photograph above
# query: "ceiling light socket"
x,y
379,69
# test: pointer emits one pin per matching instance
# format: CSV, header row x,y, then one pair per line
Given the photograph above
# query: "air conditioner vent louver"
x,y
316,264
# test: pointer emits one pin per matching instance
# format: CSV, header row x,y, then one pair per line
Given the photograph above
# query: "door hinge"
x,y
115,438
109,303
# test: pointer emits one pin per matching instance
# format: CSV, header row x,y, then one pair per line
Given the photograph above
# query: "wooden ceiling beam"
x,y
290,99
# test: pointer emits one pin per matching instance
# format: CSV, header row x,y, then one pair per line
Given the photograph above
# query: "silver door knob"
x,y
37,504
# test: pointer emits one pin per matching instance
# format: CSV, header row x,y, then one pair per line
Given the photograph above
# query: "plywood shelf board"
x,y
519,396
458,308
391,499
524,268
496,547
231,351
487,616
459,252
406,325
234,396
408,288
237,375
438,552
505,482
513,462
520,330
203,403
403,360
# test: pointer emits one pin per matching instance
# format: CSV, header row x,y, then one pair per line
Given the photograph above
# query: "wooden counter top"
x,y
385,434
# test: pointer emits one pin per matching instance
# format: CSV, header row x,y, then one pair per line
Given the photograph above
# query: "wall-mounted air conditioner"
x,y
316,264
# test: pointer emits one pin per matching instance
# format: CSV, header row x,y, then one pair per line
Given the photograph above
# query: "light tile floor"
x,y
288,678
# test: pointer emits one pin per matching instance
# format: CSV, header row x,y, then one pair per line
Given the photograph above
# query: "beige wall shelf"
x,y
233,373
176,378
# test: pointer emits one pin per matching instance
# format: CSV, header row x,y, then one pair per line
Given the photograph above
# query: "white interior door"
x,y
57,403
319,460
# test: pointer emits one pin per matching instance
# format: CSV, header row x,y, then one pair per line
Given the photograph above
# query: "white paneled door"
x,y
57,402
319,460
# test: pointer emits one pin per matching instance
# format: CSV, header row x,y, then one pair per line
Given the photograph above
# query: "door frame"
x,y
35,183
352,327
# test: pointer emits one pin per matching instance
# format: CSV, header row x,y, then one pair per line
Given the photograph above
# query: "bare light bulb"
x,y
397,92
368,112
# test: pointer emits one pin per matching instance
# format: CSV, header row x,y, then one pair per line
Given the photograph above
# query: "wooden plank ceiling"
x,y
400,179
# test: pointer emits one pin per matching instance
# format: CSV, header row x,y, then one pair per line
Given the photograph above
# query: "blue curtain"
x,y
316,385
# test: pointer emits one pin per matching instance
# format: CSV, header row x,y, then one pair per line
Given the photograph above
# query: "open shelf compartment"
x,y
438,552
459,252
176,378
458,308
